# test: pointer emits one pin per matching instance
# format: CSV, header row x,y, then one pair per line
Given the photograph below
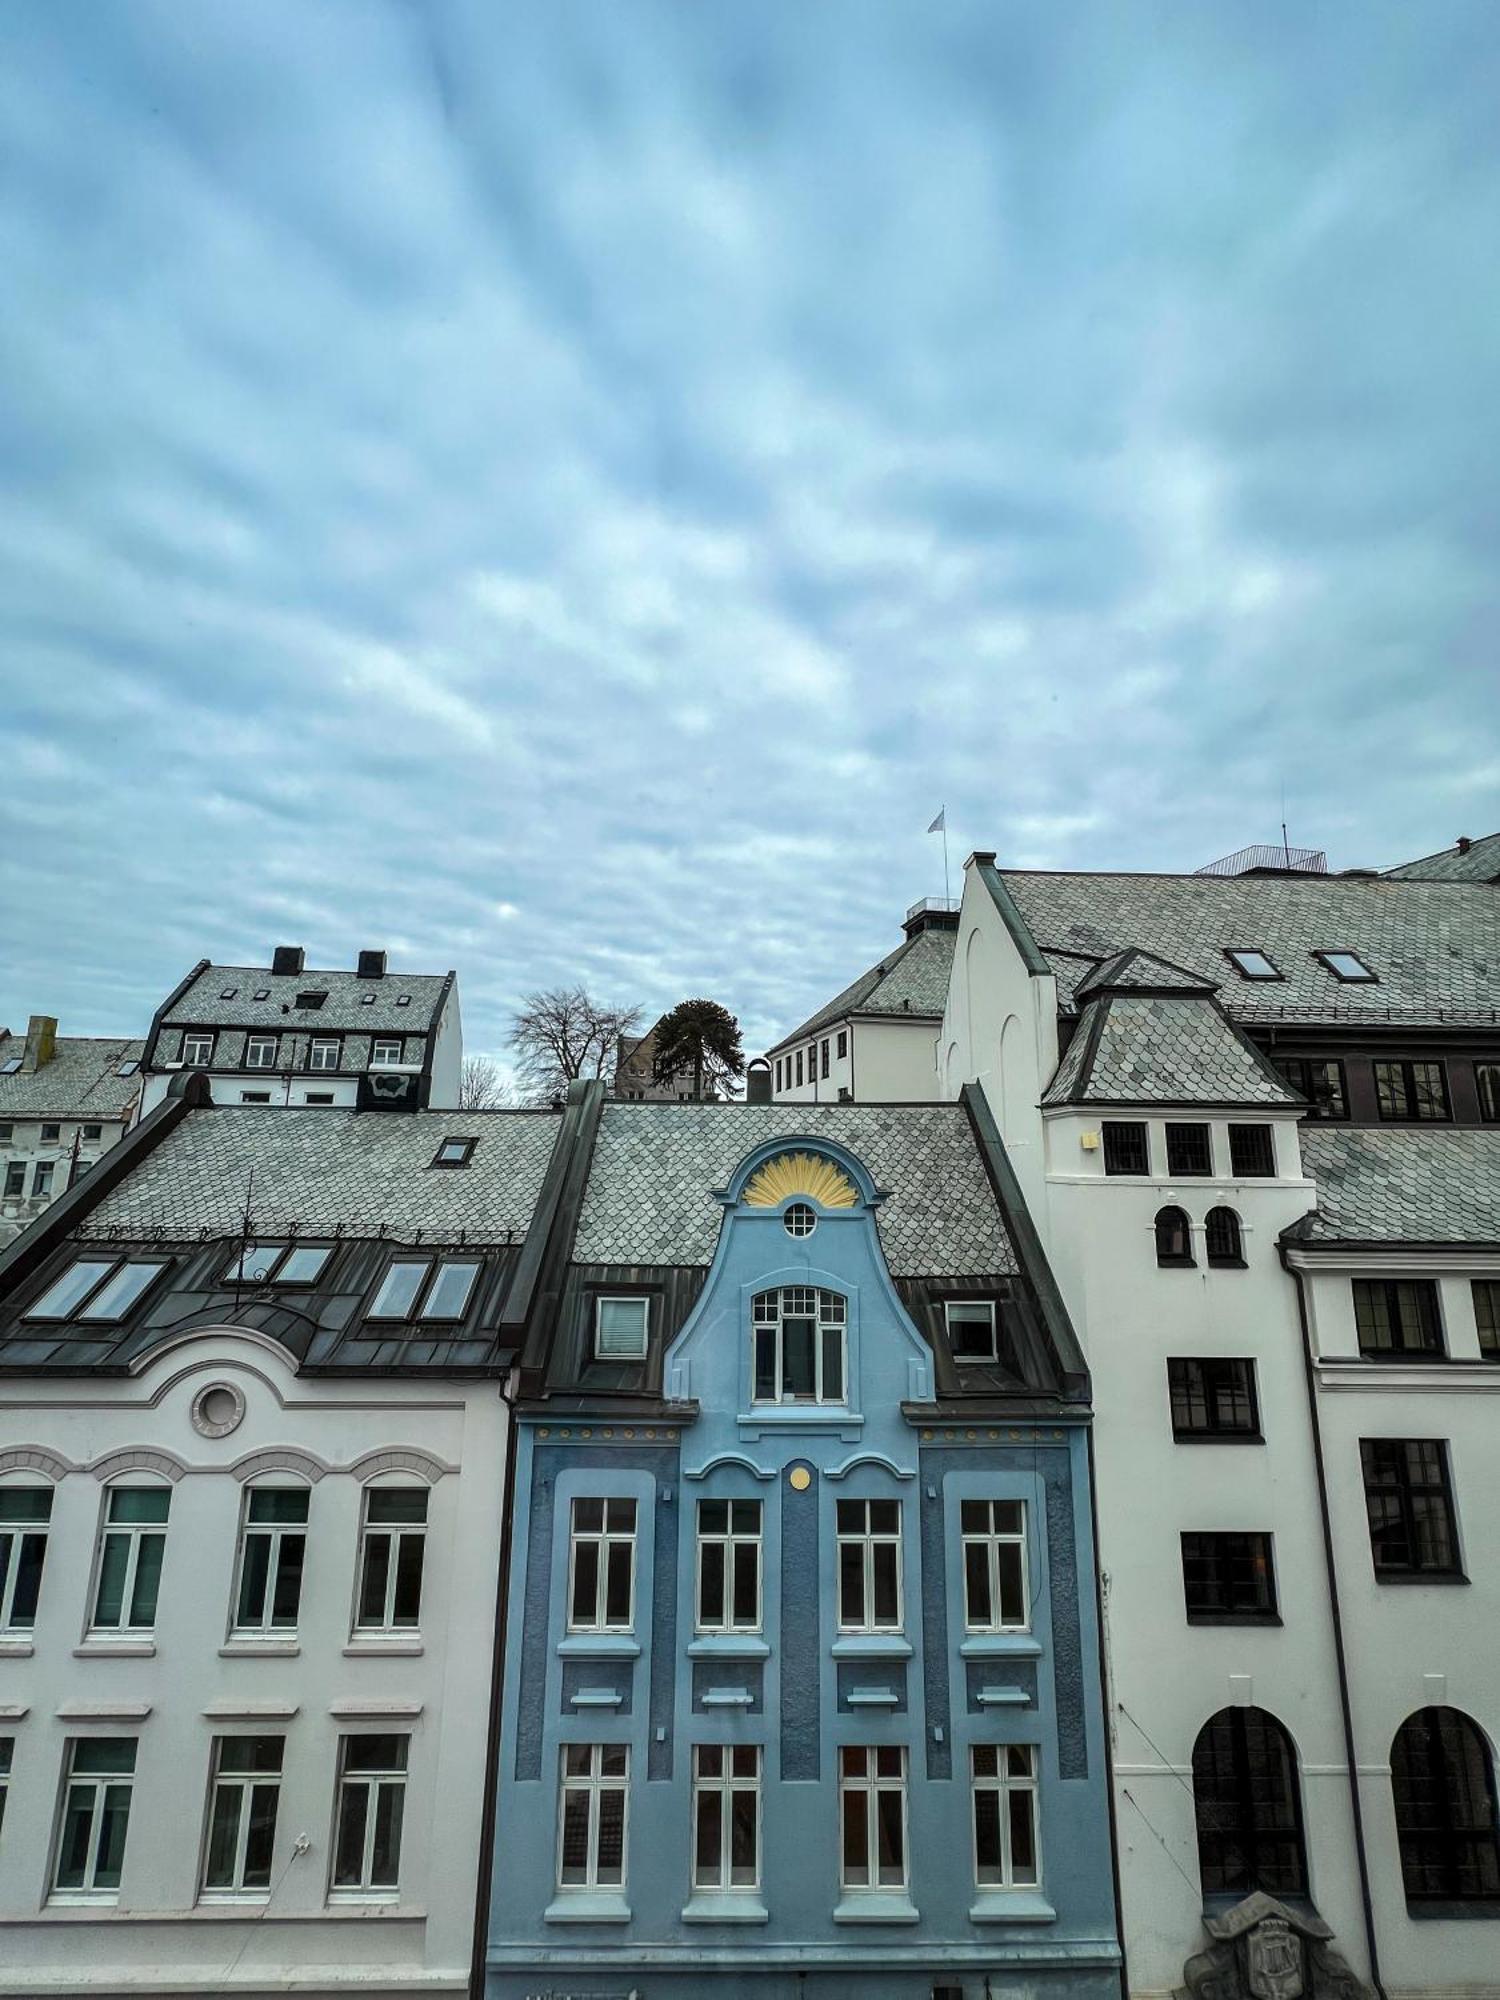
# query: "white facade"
x,y
870,1060
64,1101
207,1420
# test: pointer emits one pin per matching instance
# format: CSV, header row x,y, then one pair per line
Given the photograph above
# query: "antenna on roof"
x,y
239,1266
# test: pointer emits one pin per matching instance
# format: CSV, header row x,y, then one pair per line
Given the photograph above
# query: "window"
x,y
1174,1236
1247,1807
1188,1149
601,1588
971,1329
872,1811
311,1001
1253,965
1006,1850
1252,1151
778,1072
621,1329
726,1817
67,1292
51,1135
729,1540
391,1547
1125,1147
7,1133
994,1549
302,1263
1227,1579
1319,1079
244,1793
1411,1092
118,1295
318,1097
385,1051
1221,1237
229,992
24,1514
260,1052
425,1288
799,1066
799,1346
15,1179
799,1220
93,1133
323,1052
197,1050
11,1065
823,1067
1444,1786
1213,1398
279,1263
403,999
1487,1085
1409,1502
843,1043
591,1819
1348,966
41,1177
371,1802
95,1815
455,1153
869,1546
261,993
1486,1294
7,1751
1396,1316
130,1558
127,1068
272,1544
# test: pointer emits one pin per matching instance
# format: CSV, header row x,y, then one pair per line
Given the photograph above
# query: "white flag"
x,y
940,824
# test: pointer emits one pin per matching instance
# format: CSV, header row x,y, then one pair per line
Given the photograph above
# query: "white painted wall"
x,y
447,1056
27,1146
888,1061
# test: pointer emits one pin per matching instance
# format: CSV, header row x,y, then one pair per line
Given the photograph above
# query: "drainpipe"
x,y
477,1964
1105,1701
1345,1706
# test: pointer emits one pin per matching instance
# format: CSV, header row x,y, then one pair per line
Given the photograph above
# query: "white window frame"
x,y
394,1532
732,1540
7,1759
759,1321
371,1783
603,1539
1005,1785
195,1038
135,1533
379,1042
966,1306
729,1785
276,1533
640,1299
244,1784
98,1783
594,1783
867,1540
16,1534
260,1052
320,1047
872,1784
41,1177
990,1540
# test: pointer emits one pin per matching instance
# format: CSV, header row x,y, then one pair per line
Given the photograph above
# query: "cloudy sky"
x,y
568,491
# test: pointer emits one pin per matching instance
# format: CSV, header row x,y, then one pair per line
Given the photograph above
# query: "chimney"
x,y
371,965
758,1082
41,1041
288,958
1464,843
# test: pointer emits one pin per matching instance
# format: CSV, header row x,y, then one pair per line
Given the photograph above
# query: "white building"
x,y
371,1038
64,1101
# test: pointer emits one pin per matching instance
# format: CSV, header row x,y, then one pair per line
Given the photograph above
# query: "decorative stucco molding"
x,y
875,1458
724,1459
35,1458
138,1458
281,1458
401,1458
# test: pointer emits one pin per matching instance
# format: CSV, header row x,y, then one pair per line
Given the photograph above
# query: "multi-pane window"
x,y
385,1051
823,1067
726,1817
130,1558
1125,1146
620,1328
24,1514
1221,1237
103,1289
1414,1091
1174,1237
1486,1296
1247,1806
1006,1849
92,1132
95,1816
799,1219
1252,1151
1409,1501
1396,1316
278,1263
872,1813
15,1179
260,1052
1446,1822
799,1346
271,1551
1487,1087
799,1067
41,1177
425,1288
869,1558
7,1751
197,1050
244,1793
51,1135
729,1543
994,1550
393,1541
371,1804
843,1043
1188,1149
971,1329
591,1817
1228,1578
1320,1080
601,1583
1213,1398
323,1052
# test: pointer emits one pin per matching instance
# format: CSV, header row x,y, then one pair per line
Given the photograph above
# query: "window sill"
x,y
1176,1264
1011,1906
599,1646
383,1649
15,1649
587,1906
1000,1645
1217,1437
115,1649
757,1422
745,1908
876,1906
1228,1264
355,1900
259,1649
728,1646
1483,1909
1444,1578
872,1646
1268,1619
1003,1697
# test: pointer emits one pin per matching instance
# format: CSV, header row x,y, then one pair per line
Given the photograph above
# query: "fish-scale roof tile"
x,y
1478,862
81,1081
203,1004
1162,1049
1403,1185
912,979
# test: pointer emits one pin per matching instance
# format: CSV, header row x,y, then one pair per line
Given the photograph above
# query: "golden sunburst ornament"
x,y
803,1174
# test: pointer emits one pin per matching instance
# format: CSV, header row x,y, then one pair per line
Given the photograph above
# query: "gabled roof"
x,y
201,1003
1137,971
79,1082
1163,1048
910,982
1417,1185
1479,861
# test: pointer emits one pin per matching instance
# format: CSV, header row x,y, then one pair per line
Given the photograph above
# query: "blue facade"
x,y
793,1688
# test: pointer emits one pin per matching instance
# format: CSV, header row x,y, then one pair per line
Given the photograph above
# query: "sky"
x,y
568,492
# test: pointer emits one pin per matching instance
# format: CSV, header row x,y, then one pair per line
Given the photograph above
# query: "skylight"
x,y
10,1065
229,992
1346,965
127,1068
312,1000
403,999
261,993
1253,964
367,999
454,1153
278,1263
98,1288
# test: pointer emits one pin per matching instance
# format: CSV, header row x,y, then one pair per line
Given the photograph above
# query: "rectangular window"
x,y
318,1097
51,1135
799,1346
823,1068
393,1542
7,1752
971,1329
729,1542
244,1792
869,1556
778,1072
1213,1398
1188,1150
872,1813
1487,1088
1252,1151
1007,1853
799,1066
1396,1316
591,1817
15,1179
1348,966
92,1133
272,1543
7,1133
130,1558
367,1828
41,1177
994,1550
1125,1146
1253,964
260,1052
843,1043
1411,1092
197,1050
95,1816
1228,1579
255,1097
443,1287
66,1293
620,1329
25,1512
1486,1294
385,1051
601,1586
118,1296
726,1817
1319,1079
323,1053
302,1264
1409,1501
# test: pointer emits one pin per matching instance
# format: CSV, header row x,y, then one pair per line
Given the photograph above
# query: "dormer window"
x,y
312,1001
385,1052
798,1336
260,1052
197,1051
1253,964
971,1329
323,1053
455,1153
426,1288
620,1329
1348,966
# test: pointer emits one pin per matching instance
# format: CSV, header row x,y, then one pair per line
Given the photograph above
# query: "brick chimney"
x,y
41,1041
1464,843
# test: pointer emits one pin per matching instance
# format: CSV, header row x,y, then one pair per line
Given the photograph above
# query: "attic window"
x,y
10,1065
261,993
455,1153
98,1288
1348,966
799,1220
971,1329
229,992
278,1263
620,1329
403,999
312,1001
367,999
443,1286
127,1069
1254,965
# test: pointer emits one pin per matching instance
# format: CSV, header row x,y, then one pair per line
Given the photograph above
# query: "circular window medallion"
x,y
799,1478
218,1410
799,1220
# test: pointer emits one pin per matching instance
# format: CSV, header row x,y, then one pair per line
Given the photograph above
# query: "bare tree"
x,y
481,1087
566,1033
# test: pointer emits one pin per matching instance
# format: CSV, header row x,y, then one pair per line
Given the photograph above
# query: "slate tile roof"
x,y
1162,1049
1481,863
322,1170
203,1005
912,979
649,1198
1403,1185
1435,946
79,1082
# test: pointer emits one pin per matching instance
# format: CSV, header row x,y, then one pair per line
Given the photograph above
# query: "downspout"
x,y
477,1965
1345,1706
1105,1687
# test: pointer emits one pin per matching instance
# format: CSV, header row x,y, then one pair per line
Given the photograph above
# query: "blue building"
x,y
801,1690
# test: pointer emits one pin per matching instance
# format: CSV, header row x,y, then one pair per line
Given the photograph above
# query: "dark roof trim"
x,y
1092,1028
530,1311
1010,916
1111,973
429,1044
148,1053
1306,1245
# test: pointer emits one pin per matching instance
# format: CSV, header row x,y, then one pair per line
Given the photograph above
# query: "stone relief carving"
x,y
1264,1950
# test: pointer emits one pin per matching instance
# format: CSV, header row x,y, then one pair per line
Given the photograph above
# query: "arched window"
x,y
1221,1237
1174,1237
799,1346
1444,1783
1248,1810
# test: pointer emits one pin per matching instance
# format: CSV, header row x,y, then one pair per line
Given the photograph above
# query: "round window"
x,y
799,1220
217,1410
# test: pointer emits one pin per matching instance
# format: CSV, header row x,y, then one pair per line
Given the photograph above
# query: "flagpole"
x,y
947,898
